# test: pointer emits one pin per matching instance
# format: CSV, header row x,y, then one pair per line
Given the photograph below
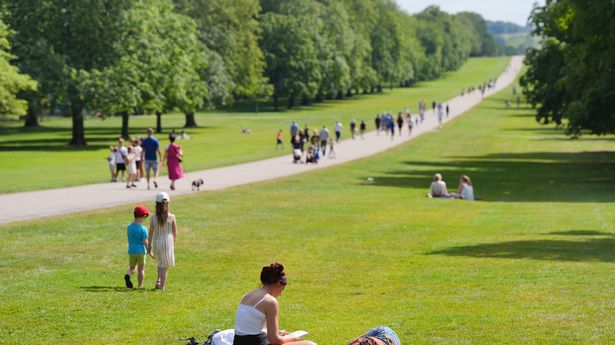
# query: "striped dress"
x,y
163,245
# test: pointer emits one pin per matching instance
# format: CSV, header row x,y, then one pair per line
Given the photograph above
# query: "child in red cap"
x,y
137,246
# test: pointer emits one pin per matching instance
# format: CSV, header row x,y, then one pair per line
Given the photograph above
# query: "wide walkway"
x,y
32,205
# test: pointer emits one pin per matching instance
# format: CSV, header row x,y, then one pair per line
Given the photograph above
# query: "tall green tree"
x,y
12,82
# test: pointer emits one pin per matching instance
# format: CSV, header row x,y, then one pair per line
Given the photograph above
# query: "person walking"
x,y
131,166
279,141
400,122
440,114
447,110
324,136
338,131
137,246
362,128
120,156
111,162
353,128
138,151
162,235
151,154
173,156
377,123
410,124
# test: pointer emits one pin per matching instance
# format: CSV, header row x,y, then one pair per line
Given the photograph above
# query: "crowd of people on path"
x,y
256,315
465,190
143,159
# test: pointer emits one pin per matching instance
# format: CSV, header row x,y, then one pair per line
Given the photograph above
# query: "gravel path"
x,y
32,205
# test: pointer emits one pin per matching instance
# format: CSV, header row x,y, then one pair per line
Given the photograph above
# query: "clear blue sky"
x,y
516,11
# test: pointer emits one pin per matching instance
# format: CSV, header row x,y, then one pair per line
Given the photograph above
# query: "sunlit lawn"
x,y
41,158
531,263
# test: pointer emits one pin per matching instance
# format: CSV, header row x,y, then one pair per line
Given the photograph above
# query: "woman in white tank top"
x,y
256,321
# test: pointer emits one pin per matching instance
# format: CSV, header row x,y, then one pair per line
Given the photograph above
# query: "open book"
x,y
299,334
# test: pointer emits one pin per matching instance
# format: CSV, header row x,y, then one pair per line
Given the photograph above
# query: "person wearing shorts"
x,y
151,154
137,246
120,155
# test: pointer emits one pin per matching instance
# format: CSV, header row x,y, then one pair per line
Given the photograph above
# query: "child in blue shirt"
x,y
137,246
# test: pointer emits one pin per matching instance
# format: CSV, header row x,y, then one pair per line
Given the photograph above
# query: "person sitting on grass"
x,y
256,320
380,335
465,190
137,245
438,188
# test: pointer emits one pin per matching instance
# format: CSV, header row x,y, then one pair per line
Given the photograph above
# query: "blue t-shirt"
x,y
136,234
150,145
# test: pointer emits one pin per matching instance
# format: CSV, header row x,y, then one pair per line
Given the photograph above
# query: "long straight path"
x,y
37,204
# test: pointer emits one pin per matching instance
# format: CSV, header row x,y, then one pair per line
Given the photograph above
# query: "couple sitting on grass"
x,y
438,189
256,321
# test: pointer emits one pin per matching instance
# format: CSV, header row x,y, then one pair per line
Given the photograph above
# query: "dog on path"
x,y
196,184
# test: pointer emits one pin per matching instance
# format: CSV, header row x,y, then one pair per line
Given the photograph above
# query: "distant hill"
x,y
512,38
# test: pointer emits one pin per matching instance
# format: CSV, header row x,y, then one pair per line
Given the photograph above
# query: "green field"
x,y
531,263
40,158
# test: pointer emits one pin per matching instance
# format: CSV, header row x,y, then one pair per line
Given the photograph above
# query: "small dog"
x,y
196,184
245,130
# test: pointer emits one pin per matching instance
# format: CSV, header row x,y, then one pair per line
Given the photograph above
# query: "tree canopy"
x,y
570,77
153,56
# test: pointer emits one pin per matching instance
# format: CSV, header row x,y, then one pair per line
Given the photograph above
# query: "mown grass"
x,y
40,158
531,263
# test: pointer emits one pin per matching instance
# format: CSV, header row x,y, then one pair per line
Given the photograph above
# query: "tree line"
x,y
571,76
125,57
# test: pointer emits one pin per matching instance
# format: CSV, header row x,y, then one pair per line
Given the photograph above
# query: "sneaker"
x,y
127,186
155,184
133,185
128,282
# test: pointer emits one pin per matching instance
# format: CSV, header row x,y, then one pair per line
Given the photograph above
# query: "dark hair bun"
x,y
272,273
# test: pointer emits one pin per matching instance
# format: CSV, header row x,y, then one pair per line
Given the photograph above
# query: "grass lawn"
x,y
40,158
531,263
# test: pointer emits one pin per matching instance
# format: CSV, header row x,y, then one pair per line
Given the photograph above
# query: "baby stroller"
x,y
296,155
310,157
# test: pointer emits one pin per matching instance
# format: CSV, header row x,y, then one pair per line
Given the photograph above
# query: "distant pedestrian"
x,y
111,162
151,150
131,166
433,106
324,136
138,151
120,156
391,124
294,128
162,235
400,122
173,157
137,246
440,114
306,133
353,128
362,128
338,131
447,110
410,124
377,123
278,139
331,149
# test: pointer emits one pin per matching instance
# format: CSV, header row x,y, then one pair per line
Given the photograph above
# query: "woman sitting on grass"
x,y
256,321
438,188
465,190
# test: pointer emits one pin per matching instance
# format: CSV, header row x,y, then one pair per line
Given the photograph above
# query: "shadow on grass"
x,y
527,177
105,289
581,233
593,249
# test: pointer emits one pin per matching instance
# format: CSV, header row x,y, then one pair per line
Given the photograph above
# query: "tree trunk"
x,y
125,118
340,95
34,111
349,93
305,100
291,101
190,121
78,138
158,122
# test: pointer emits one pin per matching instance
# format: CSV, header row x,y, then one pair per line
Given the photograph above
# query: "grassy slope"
x,y
30,155
530,264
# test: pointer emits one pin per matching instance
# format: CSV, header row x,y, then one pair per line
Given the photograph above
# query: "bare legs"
x,y
141,270
162,277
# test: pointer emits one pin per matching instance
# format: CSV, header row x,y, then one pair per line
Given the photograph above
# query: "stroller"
x,y
296,155
311,156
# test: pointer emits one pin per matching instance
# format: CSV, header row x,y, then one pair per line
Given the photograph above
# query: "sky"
x,y
515,11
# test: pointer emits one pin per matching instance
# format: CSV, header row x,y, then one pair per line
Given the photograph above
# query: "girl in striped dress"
x,y
162,235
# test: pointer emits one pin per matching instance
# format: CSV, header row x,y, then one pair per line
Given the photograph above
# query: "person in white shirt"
x,y
338,131
111,160
120,155
256,321
138,151
465,190
438,188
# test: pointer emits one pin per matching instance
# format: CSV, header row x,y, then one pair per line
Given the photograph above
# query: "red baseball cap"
x,y
141,211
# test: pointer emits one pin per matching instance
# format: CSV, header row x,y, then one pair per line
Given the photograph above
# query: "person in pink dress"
x,y
172,159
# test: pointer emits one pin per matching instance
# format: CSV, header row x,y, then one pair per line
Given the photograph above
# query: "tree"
x,y
570,76
12,81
